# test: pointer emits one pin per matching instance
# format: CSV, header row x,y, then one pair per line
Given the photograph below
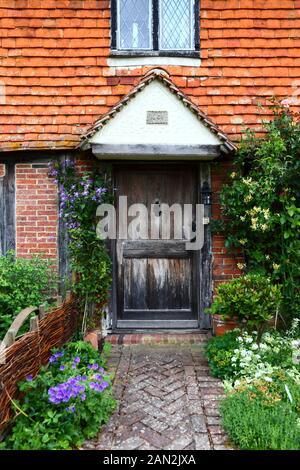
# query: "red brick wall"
x,y
54,66
36,211
224,264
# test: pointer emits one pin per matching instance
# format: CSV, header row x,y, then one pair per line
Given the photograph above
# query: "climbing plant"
x,y
260,205
79,196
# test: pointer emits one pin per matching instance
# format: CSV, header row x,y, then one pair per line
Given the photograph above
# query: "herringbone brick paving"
x,y
166,400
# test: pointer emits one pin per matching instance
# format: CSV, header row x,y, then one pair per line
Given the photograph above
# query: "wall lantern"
x,y
206,194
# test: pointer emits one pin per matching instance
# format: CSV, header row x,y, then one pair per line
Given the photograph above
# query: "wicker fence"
x,y
24,355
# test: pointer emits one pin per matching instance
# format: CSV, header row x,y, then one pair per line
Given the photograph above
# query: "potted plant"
x,y
251,300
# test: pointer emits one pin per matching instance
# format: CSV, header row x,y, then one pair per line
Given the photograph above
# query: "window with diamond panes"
x,y
176,21
135,24
155,26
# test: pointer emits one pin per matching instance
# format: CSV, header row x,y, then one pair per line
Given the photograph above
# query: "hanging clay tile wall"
x,y
54,69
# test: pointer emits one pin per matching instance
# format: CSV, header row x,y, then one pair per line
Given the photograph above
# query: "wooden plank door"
x,y
156,278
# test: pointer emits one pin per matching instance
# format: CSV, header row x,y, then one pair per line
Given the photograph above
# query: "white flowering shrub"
x,y
276,352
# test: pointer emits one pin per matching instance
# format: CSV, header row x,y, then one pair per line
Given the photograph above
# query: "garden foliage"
x,y
79,196
262,384
23,283
261,209
66,403
253,424
251,299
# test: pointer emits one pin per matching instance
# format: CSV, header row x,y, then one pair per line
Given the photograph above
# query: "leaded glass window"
x,y
135,24
176,24
155,26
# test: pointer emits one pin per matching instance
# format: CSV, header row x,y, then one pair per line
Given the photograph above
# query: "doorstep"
x,y
164,337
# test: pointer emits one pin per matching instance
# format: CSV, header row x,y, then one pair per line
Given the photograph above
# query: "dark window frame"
x,y
155,52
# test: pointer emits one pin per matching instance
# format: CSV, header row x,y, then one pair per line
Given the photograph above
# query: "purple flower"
x,y
71,409
54,400
98,387
100,191
77,359
73,225
55,356
97,377
83,397
53,171
29,378
93,366
62,367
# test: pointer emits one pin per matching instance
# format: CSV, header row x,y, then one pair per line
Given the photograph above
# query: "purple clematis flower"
x,y
71,409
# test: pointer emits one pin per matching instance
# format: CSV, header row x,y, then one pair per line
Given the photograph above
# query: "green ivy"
x,y
261,210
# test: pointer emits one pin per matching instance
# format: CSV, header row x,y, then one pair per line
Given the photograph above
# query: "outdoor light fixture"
x,y
206,194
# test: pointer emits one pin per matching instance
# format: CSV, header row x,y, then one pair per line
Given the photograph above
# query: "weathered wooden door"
x,y
156,279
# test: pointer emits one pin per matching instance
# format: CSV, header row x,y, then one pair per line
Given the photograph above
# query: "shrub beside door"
x,y
250,301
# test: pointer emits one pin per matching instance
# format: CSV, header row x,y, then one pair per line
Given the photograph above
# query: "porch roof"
x,y
225,144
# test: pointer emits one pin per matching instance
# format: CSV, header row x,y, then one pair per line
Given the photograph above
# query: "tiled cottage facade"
x,y
60,72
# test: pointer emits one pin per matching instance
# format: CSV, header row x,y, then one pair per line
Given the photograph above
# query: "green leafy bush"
x,y
251,299
252,423
66,403
219,351
23,283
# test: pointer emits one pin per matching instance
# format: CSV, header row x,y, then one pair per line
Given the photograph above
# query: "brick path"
x,y
167,400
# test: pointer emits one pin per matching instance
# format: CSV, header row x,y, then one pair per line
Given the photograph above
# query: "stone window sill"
x,y
138,61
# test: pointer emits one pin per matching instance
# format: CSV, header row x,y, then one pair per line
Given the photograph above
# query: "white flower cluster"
x,y
251,361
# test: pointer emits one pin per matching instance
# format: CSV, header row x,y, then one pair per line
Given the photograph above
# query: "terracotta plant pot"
x,y
221,326
93,337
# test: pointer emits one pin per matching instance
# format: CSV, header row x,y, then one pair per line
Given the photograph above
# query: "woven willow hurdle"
x,y
24,355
